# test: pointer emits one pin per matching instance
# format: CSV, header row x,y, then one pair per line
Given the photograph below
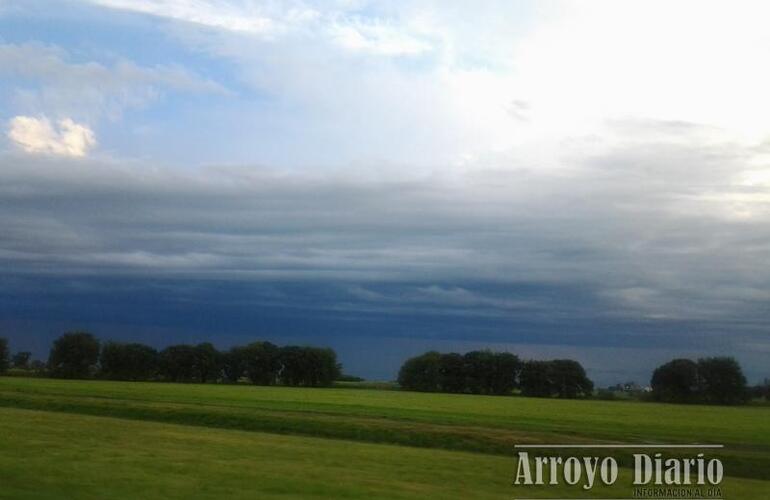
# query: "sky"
x,y
585,180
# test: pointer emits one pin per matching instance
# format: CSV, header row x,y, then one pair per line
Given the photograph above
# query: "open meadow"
x,y
94,439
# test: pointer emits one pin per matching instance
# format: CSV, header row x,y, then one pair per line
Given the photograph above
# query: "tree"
x,y
452,373
74,355
478,372
676,382
569,379
38,367
762,390
479,367
421,373
4,352
120,361
177,363
292,365
208,362
233,364
323,366
535,379
21,359
721,381
308,366
329,369
262,362
505,373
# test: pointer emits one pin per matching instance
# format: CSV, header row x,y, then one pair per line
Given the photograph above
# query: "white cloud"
x,y
52,84
39,135
244,18
651,59
432,83
377,38
266,21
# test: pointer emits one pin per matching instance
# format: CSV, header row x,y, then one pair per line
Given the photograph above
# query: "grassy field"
x,y
90,439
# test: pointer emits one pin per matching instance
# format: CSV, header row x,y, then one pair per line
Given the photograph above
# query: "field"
x,y
91,439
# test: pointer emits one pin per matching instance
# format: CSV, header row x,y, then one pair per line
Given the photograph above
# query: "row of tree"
x,y
717,380
487,372
81,355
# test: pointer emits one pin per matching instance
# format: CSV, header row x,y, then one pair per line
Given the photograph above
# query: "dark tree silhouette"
x,y
178,363
38,367
21,359
324,366
234,364
208,363
505,371
74,355
292,365
569,379
761,391
479,374
676,382
120,361
261,362
308,366
721,381
421,373
4,352
535,379
452,373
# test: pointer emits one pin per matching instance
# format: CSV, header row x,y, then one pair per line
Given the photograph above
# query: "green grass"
x,y
49,455
467,441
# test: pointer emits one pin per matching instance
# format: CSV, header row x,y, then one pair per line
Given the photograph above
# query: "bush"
x,y
606,395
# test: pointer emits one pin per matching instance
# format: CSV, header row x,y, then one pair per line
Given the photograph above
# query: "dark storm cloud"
x,y
655,243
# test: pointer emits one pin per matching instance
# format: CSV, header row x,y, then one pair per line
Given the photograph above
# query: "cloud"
x,y
46,81
39,135
629,247
434,84
493,171
339,23
377,39
244,17
649,228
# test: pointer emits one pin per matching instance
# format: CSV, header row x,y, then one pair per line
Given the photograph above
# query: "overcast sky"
x,y
558,179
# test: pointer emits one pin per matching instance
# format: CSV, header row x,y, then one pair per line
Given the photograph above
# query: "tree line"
x,y
79,355
498,373
716,380
713,380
